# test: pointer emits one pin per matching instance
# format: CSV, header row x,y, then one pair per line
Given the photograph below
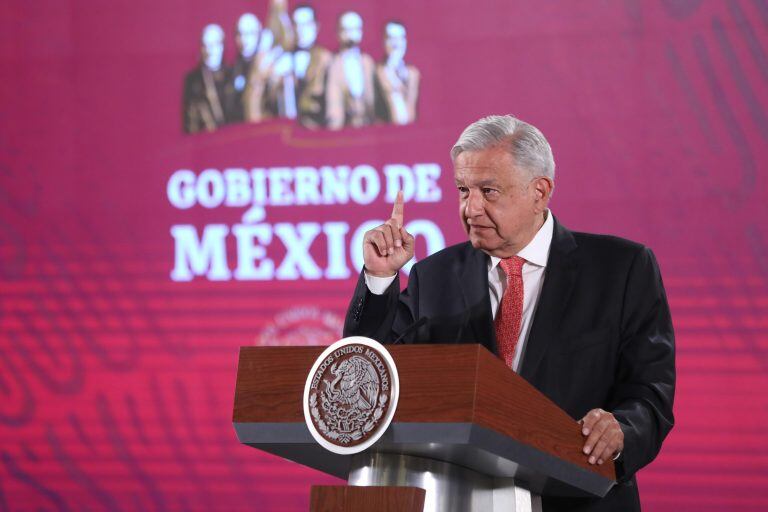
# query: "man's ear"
x,y
543,188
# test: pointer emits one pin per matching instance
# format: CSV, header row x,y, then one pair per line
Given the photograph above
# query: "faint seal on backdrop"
x,y
301,325
351,395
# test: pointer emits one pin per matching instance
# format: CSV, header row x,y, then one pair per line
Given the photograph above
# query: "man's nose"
x,y
474,204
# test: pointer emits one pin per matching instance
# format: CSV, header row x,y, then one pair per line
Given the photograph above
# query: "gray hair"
x,y
527,145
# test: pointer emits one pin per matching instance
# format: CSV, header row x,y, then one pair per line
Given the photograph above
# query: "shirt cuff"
x,y
378,285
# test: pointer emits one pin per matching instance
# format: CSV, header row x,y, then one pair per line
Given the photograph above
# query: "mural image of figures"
x,y
248,40
208,96
397,82
350,96
298,82
281,72
279,24
255,70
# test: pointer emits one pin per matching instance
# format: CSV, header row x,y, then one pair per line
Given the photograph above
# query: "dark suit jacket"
x,y
601,336
208,99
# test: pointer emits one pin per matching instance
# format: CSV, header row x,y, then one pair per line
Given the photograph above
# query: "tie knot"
x,y
512,266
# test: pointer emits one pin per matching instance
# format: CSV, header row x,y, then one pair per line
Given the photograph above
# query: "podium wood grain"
x,y
341,498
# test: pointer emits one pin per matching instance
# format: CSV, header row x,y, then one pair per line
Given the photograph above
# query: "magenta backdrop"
x,y
116,382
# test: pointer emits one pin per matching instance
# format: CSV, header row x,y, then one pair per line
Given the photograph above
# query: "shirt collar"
x,y
537,250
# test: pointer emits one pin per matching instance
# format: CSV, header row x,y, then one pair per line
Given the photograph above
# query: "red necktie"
x,y
510,314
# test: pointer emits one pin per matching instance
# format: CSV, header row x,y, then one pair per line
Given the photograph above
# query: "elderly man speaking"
x,y
583,317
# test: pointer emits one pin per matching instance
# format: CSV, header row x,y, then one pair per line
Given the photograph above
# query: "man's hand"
x,y
388,247
604,436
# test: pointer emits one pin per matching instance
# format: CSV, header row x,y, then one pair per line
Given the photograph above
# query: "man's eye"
x,y
488,191
462,190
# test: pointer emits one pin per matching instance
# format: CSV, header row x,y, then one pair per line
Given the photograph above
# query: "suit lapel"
x,y
559,280
314,64
473,282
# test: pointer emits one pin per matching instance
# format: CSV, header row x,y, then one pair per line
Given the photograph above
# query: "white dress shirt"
x,y
535,254
354,72
301,60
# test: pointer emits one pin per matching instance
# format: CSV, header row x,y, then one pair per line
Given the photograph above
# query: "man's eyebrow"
x,y
482,183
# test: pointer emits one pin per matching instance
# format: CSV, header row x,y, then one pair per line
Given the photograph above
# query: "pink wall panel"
x,y
116,381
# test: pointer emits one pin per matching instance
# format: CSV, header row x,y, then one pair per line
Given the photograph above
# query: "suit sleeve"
x,y
642,399
383,317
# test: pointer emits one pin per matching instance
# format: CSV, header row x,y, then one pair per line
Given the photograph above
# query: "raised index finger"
x,y
397,210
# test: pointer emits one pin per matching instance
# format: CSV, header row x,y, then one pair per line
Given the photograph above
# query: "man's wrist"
x,y
381,275
377,285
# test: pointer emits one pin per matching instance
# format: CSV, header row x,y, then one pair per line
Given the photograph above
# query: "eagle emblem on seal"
x,y
349,403
356,384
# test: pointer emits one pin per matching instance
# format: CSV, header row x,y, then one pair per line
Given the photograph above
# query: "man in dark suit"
x,y
208,93
397,83
584,318
296,88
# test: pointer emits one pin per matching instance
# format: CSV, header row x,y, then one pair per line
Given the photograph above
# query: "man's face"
x,y
395,42
306,27
350,30
212,48
248,28
501,206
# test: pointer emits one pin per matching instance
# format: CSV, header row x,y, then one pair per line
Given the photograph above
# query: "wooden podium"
x,y
469,431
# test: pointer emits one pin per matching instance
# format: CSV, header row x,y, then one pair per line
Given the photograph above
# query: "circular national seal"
x,y
351,395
